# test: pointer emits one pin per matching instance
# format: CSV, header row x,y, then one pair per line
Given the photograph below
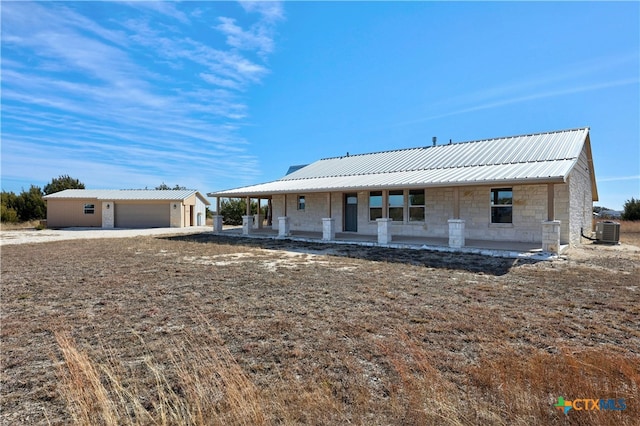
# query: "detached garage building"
x,y
126,208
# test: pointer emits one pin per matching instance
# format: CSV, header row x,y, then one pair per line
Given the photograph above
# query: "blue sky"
x,y
216,95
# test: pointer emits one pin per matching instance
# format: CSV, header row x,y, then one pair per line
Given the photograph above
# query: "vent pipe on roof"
x,y
434,140
450,142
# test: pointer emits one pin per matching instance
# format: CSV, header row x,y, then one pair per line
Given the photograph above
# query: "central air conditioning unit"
x,y
608,232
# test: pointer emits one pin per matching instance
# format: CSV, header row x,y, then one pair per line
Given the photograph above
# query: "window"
x,y
375,205
301,202
416,205
89,209
396,205
501,205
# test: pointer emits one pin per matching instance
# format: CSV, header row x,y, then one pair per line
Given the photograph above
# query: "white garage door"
x,y
142,216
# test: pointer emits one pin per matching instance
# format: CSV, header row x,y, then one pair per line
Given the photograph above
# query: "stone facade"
x,y
108,216
218,220
572,202
456,233
551,236
529,211
316,209
176,214
580,199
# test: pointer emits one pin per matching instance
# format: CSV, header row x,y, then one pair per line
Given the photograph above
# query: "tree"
x,y
30,204
631,209
61,183
165,187
233,209
8,207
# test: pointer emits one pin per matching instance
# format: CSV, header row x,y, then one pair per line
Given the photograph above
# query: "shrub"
x,y
631,209
8,214
30,204
61,183
232,210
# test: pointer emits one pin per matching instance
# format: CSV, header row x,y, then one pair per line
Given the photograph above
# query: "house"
x,y
536,188
126,208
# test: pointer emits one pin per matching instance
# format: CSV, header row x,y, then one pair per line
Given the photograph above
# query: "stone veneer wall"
x,y
309,219
529,211
581,200
108,217
176,214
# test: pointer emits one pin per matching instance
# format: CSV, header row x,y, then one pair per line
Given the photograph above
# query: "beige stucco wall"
x,y
529,210
69,213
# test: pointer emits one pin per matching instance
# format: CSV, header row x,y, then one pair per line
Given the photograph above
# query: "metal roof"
x,y
127,194
541,157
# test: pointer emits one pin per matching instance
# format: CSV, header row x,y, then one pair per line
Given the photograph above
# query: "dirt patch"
x,y
344,331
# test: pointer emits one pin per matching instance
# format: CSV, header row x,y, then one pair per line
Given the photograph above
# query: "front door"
x,y
351,212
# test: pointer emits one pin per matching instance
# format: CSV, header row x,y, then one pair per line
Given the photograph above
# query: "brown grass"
x,y
7,226
204,384
209,330
630,232
209,387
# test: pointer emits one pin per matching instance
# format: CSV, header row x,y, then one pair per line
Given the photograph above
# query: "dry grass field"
x,y
210,330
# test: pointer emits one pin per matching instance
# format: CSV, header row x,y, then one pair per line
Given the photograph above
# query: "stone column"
x,y
456,233
384,230
551,236
217,222
175,215
257,221
328,229
247,224
283,227
108,216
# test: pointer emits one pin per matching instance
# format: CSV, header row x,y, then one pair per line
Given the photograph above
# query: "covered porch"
x,y
324,216
508,249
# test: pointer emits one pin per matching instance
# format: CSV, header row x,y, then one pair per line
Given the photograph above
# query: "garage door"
x,y
142,216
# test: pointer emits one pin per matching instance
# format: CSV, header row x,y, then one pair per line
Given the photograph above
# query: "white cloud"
x,y
219,81
134,100
258,37
618,178
590,75
271,11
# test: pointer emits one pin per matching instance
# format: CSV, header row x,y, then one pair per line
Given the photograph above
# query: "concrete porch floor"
x,y
509,249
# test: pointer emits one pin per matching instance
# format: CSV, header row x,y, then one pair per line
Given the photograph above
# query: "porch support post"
x,y
258,218
328,229
217,205
248,210
456,233
456,203
384,230
550,202
283,227
247,224
385,205
551,236
217,223
284,210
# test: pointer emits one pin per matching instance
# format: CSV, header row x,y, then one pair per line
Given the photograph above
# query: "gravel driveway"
x,y
45,235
